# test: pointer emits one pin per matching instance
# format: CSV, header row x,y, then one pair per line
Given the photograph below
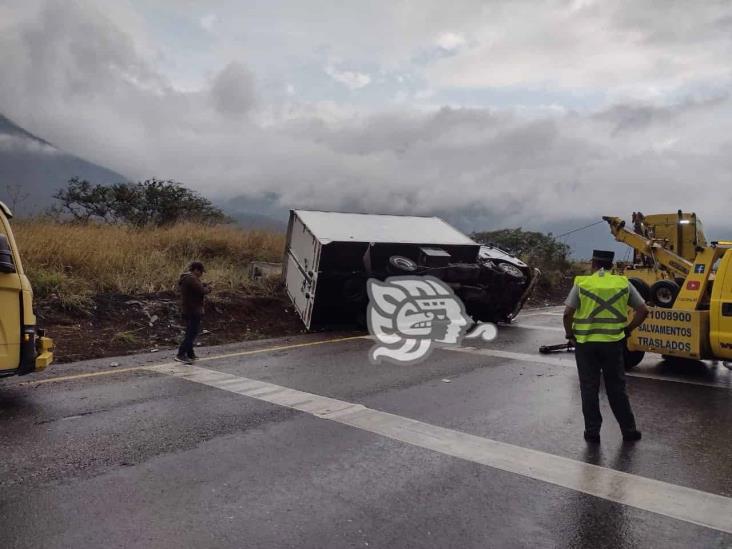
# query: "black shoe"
x,y
631,436
184,359
592,436
192,357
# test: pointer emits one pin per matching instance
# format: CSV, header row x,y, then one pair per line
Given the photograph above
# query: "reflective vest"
x,y
603,310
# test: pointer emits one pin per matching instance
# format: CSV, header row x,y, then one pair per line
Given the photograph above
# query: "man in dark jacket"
x,y
192,296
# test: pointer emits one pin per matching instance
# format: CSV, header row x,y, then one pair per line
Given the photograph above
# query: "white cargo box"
x,y
322,246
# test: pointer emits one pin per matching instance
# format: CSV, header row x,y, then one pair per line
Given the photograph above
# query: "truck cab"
x,y
23,346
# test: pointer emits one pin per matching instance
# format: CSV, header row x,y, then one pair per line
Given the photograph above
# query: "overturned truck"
x,y
330,256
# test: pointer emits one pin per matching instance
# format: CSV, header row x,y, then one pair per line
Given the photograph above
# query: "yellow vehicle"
x,y
692,317
658,241
23,347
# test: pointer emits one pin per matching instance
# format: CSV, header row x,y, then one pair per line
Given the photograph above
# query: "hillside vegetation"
x,y
540,250
110,289
73,262
104,289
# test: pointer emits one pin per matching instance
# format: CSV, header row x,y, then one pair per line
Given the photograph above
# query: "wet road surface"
x,y
304,443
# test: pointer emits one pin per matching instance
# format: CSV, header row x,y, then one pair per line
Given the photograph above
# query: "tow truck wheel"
x,y
643,289
664,292
632,358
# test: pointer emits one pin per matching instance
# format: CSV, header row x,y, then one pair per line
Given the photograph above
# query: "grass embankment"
x,y
71,264
74,263
106,290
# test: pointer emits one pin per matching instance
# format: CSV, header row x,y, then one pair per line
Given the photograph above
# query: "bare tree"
x,y
16,195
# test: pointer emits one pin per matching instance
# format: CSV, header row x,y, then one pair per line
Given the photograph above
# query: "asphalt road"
x,y
303,443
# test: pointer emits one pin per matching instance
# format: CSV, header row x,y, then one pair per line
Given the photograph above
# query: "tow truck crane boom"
x,y
662,257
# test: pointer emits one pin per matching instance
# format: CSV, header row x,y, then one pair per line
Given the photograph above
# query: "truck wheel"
x,y
632,358
511,270
664,292
643,289
398,264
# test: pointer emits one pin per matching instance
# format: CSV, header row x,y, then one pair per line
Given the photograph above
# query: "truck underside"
x,y
331,255
493,288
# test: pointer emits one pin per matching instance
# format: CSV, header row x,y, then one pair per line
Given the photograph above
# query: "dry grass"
x,y
75,262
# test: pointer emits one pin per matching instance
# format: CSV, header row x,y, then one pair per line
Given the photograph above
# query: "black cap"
x,y
603,255
196,266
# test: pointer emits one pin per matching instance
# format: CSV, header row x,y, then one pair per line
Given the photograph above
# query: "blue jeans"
x,y
193,324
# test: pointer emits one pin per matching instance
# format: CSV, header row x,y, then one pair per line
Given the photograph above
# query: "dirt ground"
x,y
120,324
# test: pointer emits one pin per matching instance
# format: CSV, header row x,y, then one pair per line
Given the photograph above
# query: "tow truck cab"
x,y
23,346
698,324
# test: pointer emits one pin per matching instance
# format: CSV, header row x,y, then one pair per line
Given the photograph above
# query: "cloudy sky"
x,y
522,113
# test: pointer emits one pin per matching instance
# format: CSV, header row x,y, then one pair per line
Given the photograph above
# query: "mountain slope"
x,y
38,169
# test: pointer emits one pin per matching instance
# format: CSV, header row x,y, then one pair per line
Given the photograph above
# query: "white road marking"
x,y
237,354
543,313
570,362
535,327
678,502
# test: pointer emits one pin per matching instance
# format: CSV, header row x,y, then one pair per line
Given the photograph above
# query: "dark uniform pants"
x,y
193,325
606,359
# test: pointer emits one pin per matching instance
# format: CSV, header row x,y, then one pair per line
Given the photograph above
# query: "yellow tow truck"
x,y
658,241
690,299
23,346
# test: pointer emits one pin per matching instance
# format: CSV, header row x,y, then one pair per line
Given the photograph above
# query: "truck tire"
x,y
399,265
511,270
643,289
632,358
664,292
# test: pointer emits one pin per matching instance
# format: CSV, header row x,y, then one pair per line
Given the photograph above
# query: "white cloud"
x,y
643,47
208,21
351,79
450,41
232,90
74,77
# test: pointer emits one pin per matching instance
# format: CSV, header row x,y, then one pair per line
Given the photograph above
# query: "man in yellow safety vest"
x,y
596,322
